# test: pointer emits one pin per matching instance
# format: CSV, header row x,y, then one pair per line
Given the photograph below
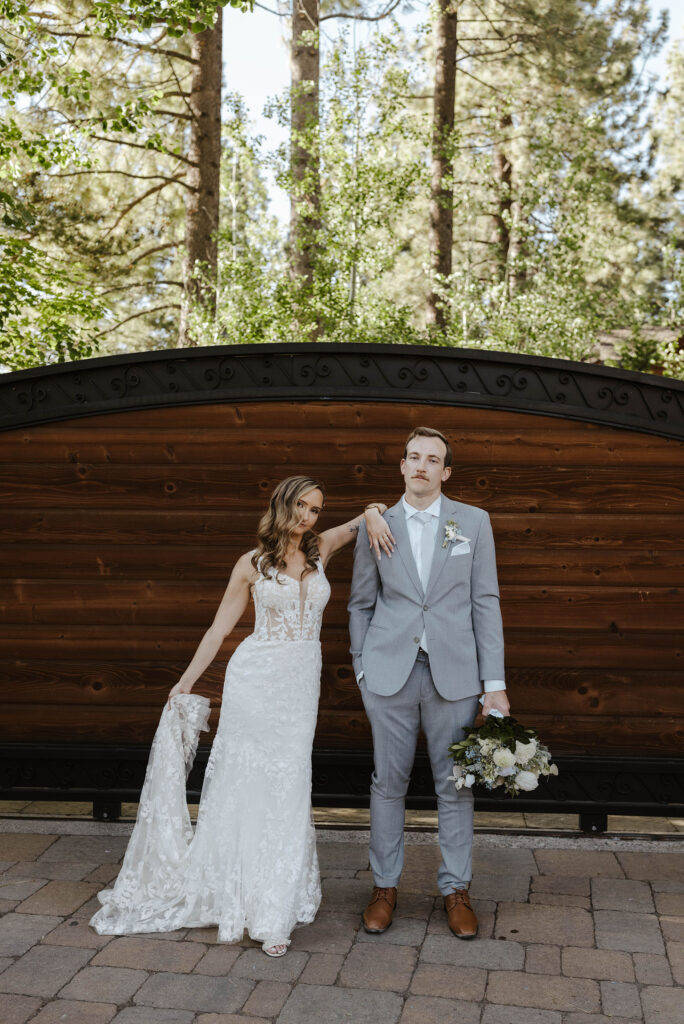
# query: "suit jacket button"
x,y
425,607
416,639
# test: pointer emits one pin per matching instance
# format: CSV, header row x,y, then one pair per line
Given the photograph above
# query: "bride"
x,y
251,863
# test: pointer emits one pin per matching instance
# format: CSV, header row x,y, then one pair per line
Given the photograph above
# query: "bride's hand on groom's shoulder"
x,y
379,534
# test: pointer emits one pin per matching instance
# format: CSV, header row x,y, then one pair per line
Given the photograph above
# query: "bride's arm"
x,y
230,611
379,533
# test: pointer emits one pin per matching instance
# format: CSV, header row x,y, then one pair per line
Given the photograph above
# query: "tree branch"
x,y
155,248
133,316
138,145
145,47
363,17
139,199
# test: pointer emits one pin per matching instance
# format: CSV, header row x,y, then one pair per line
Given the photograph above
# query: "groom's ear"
x,y
446,473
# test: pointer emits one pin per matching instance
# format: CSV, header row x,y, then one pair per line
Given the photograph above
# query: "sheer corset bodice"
x,y
287,609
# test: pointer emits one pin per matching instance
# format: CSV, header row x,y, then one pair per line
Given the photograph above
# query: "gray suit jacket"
x,y
459,610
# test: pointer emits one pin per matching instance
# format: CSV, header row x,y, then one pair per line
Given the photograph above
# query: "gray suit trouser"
x,y
396,721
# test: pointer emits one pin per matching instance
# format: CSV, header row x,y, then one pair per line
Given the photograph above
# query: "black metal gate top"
x,y
316,372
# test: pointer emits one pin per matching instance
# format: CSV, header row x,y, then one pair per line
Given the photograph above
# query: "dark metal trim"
x,y
319,372
111,773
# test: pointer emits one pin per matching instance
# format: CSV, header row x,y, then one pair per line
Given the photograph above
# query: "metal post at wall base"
x,y
589,821
106,810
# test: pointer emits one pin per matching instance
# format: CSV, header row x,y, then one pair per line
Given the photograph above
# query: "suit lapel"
x,y
397,518
440,553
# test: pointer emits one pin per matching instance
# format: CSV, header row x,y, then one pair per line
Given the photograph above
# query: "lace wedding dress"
x,y
251,863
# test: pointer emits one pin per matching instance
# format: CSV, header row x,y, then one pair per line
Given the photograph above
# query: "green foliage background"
x,y
584,236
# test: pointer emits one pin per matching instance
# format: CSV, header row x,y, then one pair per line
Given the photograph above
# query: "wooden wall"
x,y
118,533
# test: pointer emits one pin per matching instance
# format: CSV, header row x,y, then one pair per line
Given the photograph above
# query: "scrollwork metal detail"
x,y
386,373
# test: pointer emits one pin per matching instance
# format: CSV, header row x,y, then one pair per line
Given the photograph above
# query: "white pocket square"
x,y
461,549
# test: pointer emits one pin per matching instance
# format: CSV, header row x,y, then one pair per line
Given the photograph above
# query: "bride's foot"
x,y
275,948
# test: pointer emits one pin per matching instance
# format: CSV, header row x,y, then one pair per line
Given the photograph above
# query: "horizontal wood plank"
x,y
496,488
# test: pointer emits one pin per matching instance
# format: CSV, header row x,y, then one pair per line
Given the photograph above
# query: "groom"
x,y
426,636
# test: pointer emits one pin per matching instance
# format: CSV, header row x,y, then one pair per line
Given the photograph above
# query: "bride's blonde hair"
x,y
278,522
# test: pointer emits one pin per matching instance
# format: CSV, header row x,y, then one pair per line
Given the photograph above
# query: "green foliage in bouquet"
x,y
501,752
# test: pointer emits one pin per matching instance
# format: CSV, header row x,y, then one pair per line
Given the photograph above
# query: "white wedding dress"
x,y
251,863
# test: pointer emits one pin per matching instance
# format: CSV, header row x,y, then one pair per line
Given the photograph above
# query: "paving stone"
x,y
17,1009
342,855
511,888
509,862
267,999
542,959
65,1011
207,935
218,960
594,1018
58,898
18,932
597,963
635,933
518,1015
673,928
74,932
88,909
675,952
146,1015
379,967
561,884
228,1018
592,863
653,866
485,953
254,964
103,873
314,1004
661,1005
150,954
19,888
69,871
7,906
412,904
194,992
43,970
666,885
404,931
350,894
526,922
467,983
322,969
329,933
86,849
651,969
432,1010
551,899
669,903
14,846
111,984
543,991
621,894
619,999
422,883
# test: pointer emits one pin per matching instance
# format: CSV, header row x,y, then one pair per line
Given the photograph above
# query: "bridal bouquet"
x,y
501,752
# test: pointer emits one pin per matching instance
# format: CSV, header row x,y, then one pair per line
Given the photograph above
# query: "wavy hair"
x,y
277,523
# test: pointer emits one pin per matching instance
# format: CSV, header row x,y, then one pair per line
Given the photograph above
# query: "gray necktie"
x,y
427,546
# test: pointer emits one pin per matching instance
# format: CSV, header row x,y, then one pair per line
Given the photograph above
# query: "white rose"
x,y
469,780
503,757
553,769
486,746
510,770
526,781
525,751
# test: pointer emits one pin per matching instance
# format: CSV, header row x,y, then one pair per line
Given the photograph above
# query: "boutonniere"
x,y
450,532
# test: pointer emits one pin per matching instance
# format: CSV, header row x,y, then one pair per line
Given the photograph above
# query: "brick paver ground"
x,y
577,931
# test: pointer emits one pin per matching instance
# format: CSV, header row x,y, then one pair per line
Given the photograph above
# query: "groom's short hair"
x,y
429,432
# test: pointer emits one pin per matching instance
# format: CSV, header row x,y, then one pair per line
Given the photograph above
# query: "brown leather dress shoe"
x,y
377,917
460,915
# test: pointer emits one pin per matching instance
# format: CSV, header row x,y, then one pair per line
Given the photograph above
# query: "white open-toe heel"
x,y
275,948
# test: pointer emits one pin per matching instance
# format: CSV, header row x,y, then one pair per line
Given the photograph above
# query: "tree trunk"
x,y
305,160
202,204
442,191
502,171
